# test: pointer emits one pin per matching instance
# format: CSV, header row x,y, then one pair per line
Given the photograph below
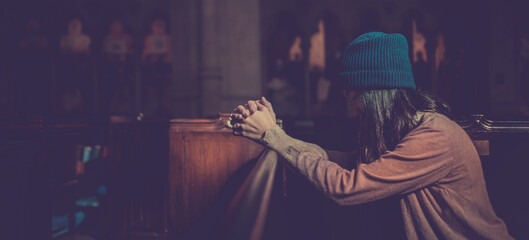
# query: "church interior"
x,y
113,111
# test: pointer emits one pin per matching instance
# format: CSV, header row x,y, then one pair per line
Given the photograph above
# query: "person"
x,y
408,146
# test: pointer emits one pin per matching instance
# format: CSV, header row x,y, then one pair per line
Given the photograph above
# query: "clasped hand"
x,y
253,119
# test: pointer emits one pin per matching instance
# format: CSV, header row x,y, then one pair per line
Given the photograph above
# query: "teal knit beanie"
x,y
377,60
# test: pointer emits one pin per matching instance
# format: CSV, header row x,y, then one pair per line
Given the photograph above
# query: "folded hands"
x,y
253,119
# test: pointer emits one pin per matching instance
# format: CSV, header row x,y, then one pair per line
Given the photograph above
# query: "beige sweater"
x,y
435,169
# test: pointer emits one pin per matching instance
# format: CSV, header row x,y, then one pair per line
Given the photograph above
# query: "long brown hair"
x,y
388,115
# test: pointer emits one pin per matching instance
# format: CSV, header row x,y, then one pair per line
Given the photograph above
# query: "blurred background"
x,y
197,58
87,89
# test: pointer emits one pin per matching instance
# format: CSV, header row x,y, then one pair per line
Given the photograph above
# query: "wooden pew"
x,y
502,146
203,155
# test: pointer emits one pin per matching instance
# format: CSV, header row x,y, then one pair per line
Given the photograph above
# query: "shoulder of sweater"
x,y
436,120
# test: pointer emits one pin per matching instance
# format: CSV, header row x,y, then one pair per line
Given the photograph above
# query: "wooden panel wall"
x,y
25,191
139,153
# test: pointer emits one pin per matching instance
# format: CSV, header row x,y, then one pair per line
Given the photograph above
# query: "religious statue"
x,y
117,45
74,74
419,45
156,59
33,39
32,73
157,44
116,70
75,41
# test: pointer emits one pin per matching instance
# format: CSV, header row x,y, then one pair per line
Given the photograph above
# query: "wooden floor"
x,y
75,237
121,236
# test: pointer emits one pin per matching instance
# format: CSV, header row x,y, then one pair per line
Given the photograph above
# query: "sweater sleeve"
x,y
343,159
419,160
